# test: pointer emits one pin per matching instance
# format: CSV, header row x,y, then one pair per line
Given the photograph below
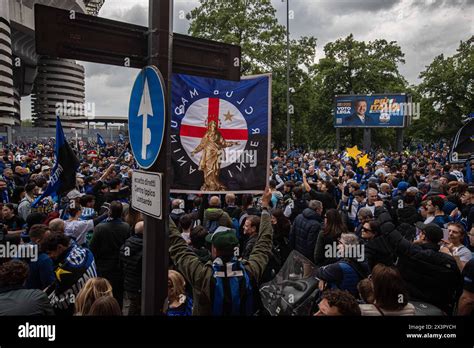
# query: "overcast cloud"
x,y
423,29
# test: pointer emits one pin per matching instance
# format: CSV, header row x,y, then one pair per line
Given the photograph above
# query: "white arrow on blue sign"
x,y
147,116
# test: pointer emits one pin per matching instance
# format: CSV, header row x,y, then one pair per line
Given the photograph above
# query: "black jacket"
x,y
299,206
18,301
408,214
325,198
304,232
430,275
106,242
378,250
99,196
131,254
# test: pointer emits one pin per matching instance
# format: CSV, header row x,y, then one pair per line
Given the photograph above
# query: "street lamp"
x,y
288,126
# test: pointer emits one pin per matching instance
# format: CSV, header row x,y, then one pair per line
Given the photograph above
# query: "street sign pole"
x,y
155,246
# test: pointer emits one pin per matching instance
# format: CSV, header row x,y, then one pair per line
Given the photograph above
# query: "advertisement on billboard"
x,y
372,111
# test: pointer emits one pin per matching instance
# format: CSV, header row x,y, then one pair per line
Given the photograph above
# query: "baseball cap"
x,y
223,238
43,168
433,232
402,186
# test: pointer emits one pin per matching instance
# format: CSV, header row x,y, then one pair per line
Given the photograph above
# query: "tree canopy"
x,y
349,66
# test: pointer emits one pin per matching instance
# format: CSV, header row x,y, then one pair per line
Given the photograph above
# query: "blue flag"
x,y
121,138
63,177
220,134
100,140
468,172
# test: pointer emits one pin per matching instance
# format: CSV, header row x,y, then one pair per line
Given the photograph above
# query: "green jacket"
x,y
199,275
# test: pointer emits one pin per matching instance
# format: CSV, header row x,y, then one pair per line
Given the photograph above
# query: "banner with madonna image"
x,y
220,134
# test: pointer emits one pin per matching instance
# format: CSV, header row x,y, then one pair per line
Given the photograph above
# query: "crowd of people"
x,y
394,237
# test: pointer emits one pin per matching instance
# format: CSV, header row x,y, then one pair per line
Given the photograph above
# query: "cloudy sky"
x,y
423,29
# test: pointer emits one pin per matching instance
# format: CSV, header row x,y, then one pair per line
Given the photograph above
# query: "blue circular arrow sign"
x,y
147,116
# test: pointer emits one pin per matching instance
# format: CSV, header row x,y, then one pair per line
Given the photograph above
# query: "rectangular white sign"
x,y
146,193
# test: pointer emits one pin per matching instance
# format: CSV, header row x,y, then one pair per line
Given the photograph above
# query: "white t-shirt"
x,y
372,208
428,220
78,229
464,253
458,175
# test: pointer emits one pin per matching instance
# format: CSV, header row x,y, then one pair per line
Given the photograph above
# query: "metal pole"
x,y
367,139
155,243
288,125
399,139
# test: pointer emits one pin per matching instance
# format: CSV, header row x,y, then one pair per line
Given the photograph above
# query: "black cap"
x,y
433,232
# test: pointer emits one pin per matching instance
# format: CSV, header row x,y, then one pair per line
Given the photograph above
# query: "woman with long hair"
x,y
92,290
105,306
390,295
179,304
332,230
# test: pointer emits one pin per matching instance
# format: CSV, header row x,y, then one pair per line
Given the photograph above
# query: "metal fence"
x,y
39,133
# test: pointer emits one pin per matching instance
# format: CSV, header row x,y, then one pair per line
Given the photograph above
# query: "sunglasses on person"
x,y
364,229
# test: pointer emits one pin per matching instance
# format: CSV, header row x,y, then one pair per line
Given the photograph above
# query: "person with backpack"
x,y
226,284
214,216
346,273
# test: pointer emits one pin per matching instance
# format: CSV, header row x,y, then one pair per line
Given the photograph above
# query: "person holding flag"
x,y
100,141
63,177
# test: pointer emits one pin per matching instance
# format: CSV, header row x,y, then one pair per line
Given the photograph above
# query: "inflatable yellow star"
x,y
363,161
353,152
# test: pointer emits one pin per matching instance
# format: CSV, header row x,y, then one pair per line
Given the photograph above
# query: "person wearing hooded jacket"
x,y
215,213
306,228
431,275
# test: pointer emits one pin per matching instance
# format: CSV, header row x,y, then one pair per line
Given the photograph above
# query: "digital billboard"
x,y
371,111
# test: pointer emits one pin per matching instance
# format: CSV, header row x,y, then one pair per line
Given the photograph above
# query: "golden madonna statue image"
x,y
212,146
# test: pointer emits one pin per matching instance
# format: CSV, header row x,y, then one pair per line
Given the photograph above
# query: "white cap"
x,y
74,194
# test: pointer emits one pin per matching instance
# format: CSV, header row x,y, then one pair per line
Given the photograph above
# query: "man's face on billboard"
x,y
361,108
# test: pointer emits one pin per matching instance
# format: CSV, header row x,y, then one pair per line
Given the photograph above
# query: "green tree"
x,y
27,122
358,67
446,93
252,24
